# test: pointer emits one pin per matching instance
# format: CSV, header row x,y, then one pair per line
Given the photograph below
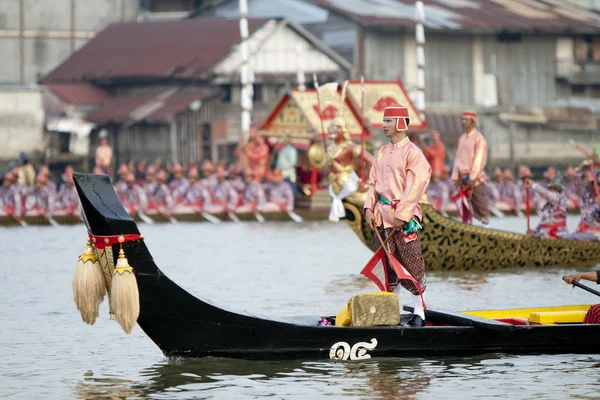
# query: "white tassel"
x,y
124,294
88,285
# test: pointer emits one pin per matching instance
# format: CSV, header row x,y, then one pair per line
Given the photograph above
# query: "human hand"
x,y
370,218
571,278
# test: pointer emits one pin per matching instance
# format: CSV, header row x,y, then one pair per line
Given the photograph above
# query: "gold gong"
x,y
316,155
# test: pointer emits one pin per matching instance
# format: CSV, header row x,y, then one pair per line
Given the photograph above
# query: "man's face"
x,y
335,132
435,136
467,124
104,141
389,126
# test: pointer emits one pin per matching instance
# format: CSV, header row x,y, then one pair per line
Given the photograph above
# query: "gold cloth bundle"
x,y
370,309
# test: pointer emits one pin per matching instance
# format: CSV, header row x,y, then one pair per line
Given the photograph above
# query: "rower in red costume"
x,y
44,198
343,158
121,185
67,198
253,195
589,225
133,196
469,165
509,191
397,181
554,213
10,199
281,195
224,194
179,184
209,178
161,195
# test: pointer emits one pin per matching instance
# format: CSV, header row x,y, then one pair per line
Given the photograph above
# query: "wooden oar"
x,y
52,221
586,288
495,211
528,206
233,217
259,217
168,217
210,218
145,218
20,221
295,217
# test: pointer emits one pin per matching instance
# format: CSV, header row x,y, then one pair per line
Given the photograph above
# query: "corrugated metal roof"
x,y
179,49
79,93
472,15
148,107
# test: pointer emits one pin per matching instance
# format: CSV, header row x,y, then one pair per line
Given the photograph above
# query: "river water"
x,y
47,352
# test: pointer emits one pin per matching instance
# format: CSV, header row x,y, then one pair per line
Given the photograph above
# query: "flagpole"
x,y
316,85
362,133
245,73
420,46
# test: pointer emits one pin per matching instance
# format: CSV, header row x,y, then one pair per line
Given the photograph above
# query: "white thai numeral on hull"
x,y
342,350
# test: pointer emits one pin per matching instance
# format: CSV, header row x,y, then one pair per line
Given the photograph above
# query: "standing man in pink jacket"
x,y
398,178
468,173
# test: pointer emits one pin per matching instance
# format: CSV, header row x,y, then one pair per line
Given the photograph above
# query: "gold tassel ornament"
x,y
88,285
124,293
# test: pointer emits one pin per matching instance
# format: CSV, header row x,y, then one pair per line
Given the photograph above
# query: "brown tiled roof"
x,y
178,49
79,93
148,107
551,16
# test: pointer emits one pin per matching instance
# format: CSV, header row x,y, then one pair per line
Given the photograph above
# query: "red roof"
x,y
147,107
473,15
79,93
151,49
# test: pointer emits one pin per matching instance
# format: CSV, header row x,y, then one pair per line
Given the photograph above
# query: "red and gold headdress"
x,y
399,112
470,114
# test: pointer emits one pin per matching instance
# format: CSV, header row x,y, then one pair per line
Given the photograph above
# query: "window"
x,y
206,141
226,95
258,94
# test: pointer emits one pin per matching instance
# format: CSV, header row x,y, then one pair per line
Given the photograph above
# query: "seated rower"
x,y
161,195
133,196
438,194
224,193
43,203
179,184
209,178
196,194
554,213
593,314
509,191
67,198
589,226
280,194
121,185
10,199
253,196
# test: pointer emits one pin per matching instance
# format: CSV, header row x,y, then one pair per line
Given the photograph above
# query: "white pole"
x,y
300,68
246,74
420,41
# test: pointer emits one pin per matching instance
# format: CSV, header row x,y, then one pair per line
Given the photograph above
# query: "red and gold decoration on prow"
x,y
297,114
96,274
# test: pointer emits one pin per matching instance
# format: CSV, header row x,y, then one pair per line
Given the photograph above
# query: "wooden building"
x,y
174,86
